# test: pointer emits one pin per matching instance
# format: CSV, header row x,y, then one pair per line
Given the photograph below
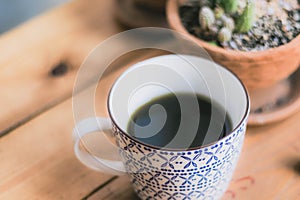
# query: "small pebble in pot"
x,y
233,45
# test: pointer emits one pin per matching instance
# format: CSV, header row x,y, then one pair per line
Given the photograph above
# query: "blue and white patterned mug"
x,y
203,172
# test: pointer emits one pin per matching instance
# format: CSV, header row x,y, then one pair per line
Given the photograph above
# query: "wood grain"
x,y
37,160
269,164
119,188
30,52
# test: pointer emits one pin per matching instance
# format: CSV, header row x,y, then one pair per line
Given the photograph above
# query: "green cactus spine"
x,y
219,12
230,6
245,21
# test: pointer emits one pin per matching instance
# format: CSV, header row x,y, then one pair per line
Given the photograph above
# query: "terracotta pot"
x,y
256,69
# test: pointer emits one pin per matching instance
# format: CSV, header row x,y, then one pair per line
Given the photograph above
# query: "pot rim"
x,y
175,23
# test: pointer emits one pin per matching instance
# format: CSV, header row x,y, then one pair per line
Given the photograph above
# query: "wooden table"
x,y
38,66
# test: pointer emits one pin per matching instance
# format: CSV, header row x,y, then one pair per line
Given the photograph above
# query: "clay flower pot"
x,y
256,69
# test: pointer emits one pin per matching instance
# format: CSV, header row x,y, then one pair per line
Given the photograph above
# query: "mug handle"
x,y
86,127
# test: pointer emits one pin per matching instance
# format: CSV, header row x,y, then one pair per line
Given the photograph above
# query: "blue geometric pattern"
x,y
192,174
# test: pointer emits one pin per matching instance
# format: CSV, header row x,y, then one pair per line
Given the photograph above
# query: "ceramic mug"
x,y
203,172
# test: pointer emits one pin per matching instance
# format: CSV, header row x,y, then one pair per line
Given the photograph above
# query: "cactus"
x,y
224,35
230,6
219,12
228,22
219,18
245,21
206,18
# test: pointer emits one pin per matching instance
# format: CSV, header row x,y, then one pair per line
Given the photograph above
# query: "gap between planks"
x,y
99,187
119,188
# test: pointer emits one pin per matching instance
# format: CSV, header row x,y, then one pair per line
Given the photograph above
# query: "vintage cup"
x,y
203,172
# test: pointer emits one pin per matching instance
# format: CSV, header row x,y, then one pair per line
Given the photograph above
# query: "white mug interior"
x,y
161,75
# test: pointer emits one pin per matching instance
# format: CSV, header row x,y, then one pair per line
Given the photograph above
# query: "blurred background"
x,y
14,12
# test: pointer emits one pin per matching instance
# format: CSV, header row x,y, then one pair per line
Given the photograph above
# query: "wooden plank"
x,y
269,164
30,52
119,188
37,160
269,167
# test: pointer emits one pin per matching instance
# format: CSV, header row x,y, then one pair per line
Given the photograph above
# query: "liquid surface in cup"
x,y
177,125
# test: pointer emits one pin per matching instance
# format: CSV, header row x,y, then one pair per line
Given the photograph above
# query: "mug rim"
x,y
124,132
